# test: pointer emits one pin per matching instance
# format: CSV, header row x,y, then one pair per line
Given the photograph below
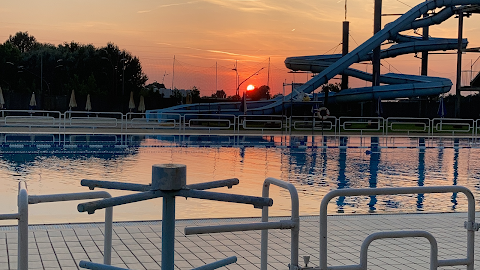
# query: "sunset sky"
x,y
207,37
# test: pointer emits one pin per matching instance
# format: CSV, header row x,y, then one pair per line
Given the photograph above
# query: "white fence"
x,y
78,122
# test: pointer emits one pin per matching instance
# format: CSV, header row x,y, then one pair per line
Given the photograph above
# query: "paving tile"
x,y
138,245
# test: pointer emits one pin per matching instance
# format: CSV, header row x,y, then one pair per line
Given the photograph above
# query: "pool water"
x,y
315,165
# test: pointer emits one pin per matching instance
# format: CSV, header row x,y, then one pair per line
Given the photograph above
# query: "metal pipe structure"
x,y
293,224
169,181
215,184
98,266
458,84
257,202
282,225
107,242
168,230
345,40
470,224
217,264
377,26
400,234
90,207
295,219
91,184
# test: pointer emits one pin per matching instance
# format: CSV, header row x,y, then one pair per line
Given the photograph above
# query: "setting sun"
x,y
250,87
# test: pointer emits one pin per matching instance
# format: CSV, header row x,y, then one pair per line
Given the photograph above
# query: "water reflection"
x,y
315,165
374,161
421,172
342,180
455,172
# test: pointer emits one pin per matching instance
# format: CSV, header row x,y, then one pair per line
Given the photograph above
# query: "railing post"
x,y
264,234
22,202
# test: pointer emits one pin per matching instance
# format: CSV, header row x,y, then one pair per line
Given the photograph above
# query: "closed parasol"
x,y
33,101
73,102
131,102
2,101
88,105
141,104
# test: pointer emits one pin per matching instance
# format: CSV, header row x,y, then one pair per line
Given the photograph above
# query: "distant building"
x,y
167,93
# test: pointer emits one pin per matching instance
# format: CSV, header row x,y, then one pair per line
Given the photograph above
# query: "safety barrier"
x,y
361,124
31,118
313,123
453,125
470,225
408,125
93,120
22,216
13,121
209,121
263,122
152,121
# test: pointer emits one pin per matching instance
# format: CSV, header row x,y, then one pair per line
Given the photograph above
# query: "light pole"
x,y
256,73
42,80
123,75
113,73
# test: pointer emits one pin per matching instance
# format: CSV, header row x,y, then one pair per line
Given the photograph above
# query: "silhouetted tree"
x,y
262,92
219,94
195,94
23,41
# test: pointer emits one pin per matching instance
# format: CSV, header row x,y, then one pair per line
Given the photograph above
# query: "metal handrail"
x,y
22,216
293,224
470,224
107,249
295,220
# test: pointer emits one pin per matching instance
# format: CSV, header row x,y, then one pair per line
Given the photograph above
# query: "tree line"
x,y
107,73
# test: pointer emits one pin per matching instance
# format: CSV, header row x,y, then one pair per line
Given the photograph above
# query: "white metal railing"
x,y
408,125
361,124
313,123
152,121
453,125
470,225
97,122
92,120
31,118
209,121
24,200
262,122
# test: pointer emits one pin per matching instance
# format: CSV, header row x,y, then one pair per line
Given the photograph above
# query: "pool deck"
x,y
137,245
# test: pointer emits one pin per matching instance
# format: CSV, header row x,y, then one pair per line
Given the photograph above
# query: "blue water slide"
x,y
328,66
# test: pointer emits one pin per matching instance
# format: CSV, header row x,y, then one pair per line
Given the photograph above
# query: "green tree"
x,y
23,41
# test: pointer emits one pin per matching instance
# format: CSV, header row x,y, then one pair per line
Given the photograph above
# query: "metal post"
x,y
345,39
22,255
459,63
107,240
425,53
168,231
264,234
377,26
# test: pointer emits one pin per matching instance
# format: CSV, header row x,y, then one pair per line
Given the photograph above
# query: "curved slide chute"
x,y
328,66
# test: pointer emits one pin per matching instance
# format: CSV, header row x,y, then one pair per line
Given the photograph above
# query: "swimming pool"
x,y
315,165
